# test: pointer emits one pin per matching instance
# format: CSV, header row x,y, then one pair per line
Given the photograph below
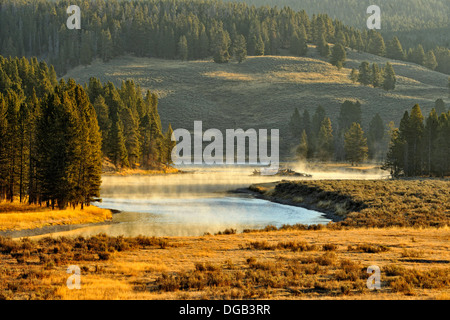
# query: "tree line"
x,y
130,125
418,147
53,139
374,75
315,137
185,29
413,21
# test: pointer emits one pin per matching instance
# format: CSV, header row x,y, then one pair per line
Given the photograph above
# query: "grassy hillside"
x,y
263,91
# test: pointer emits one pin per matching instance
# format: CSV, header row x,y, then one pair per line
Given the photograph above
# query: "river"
x,y
191,204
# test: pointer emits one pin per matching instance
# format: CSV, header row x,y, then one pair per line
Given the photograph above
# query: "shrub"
x,y
326,259
367,248
329,247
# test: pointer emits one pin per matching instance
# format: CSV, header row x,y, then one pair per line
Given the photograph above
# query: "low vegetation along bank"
x,y
15,216
369,203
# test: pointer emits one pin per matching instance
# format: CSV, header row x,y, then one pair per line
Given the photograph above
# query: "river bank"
x,y
366,203
48,230
24,220
263,191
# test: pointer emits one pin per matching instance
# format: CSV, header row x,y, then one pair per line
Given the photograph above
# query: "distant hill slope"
x,y
262,92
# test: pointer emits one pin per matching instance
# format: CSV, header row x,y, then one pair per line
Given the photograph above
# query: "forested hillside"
x,y
415,22
186,29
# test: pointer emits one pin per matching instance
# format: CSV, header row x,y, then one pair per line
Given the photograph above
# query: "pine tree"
x,y
183,48
430,60
302,149
354,75
11,142
376,44
323,47
418,55
3,149
429,141
240,48
303,41
394,50
340,38
103,120
318,117
359,43
221,47
389,77
414,139
377,77
365,75
106,45
325,141
116,150
307,126
349,113
338,56
95,88
355,144
298,46
85,50
131,135
395,156
441,155
168,146
259,45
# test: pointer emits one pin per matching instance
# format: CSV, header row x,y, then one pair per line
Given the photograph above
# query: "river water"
x,y
191,204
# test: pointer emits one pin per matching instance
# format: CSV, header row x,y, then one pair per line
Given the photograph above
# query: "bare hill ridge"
x,y
263,91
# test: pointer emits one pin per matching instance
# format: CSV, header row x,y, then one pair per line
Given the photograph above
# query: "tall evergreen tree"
x,y
338,56
376,44
377,77
183,48
240,48
389,77
365,75
325,144
354,75
301,151
394,49
350,112
430,60
429,140
221,47
323,47
355,144
418,55
117,151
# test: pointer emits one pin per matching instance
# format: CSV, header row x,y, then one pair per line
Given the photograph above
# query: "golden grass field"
x,y
290,262
20,216
287,264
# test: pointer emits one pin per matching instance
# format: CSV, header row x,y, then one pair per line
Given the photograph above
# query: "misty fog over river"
x,y
192,204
